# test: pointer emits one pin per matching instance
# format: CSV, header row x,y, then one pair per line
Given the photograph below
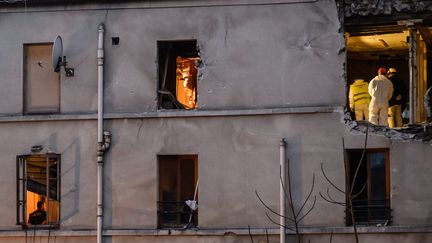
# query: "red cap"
x,y
382,71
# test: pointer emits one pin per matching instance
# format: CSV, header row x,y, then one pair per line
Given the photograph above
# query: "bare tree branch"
x,y
361,160
267,236
349,194
271,210
250,235
286,187
293,212
331,198
278,224
290,199
308,196
310,210
349,188
283,186
330,182
330,201
356,195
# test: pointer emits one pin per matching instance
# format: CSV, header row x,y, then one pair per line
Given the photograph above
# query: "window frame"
x,y
22,188
173,48
178,158
387,219
418,83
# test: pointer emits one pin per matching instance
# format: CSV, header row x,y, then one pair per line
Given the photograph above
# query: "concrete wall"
x,y
241,158
255,56
75,142
410,175
242,47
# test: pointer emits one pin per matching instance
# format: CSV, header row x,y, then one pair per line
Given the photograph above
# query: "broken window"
x,y
177,62
371,193
401,45
41,83
178,188
38,189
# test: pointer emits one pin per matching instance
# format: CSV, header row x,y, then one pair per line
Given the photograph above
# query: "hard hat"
x,y
382,71
392,70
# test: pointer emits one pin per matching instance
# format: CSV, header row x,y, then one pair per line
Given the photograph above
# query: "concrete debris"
x,y
419,132
387,7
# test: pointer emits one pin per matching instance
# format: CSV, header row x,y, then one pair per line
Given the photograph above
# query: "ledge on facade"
x,y
64,2
233,112
305,230
219,231
173,113
9,3
46,117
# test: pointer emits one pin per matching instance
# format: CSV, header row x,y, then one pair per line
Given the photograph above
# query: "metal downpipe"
x,y
100,140
413,74
282,147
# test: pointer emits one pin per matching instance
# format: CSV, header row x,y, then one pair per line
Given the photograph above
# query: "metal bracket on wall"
x,y
70,72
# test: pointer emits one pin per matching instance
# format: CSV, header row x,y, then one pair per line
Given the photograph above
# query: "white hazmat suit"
x,y
381,90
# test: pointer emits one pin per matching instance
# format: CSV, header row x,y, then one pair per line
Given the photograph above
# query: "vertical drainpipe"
x,y
412,74
282,147
100,140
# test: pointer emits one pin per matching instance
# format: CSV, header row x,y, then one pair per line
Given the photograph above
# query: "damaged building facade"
x,y
197,98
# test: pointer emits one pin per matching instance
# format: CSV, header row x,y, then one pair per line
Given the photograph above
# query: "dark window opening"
x,y
178,191
371,202
38,189
177,72
406,49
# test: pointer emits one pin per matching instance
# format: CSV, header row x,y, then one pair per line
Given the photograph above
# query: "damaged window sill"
x,y
417,132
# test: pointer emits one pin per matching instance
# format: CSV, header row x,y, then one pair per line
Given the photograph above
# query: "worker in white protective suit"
x,y
381,90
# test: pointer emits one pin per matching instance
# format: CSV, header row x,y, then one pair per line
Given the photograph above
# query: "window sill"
x,y
41,227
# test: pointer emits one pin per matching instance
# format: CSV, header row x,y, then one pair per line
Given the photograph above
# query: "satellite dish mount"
x,y
58,60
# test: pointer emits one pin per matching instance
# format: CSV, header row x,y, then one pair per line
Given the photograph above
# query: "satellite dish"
x,y
57,54
58,60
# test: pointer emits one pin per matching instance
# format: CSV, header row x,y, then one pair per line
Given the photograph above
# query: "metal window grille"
x,y
370,212
176,215
40,175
